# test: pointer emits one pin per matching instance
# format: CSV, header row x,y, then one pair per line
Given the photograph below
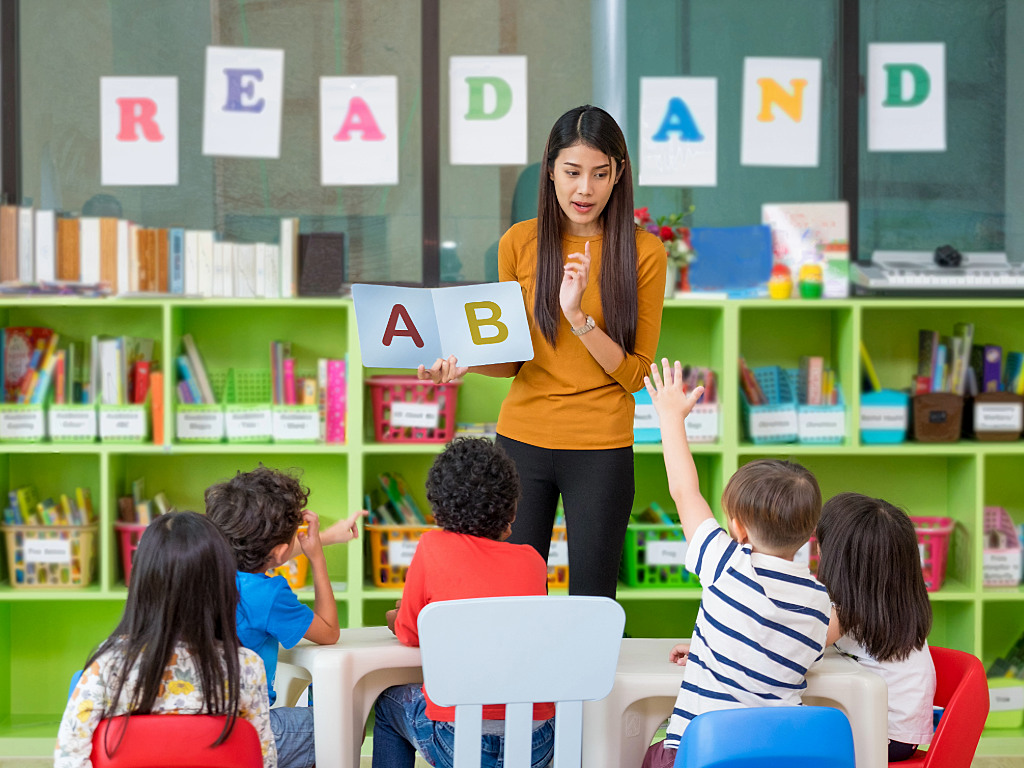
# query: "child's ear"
x,y
280,552
738,530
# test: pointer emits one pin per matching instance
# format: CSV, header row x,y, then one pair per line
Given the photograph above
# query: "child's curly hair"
x,y
473,488
257,511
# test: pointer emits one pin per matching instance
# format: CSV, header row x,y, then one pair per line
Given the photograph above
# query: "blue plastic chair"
x,y
768,737
74,681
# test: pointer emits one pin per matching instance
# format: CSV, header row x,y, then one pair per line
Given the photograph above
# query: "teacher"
x,y
596,284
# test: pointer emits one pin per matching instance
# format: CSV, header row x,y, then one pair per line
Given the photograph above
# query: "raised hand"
x,y
669,393
443,371
575,276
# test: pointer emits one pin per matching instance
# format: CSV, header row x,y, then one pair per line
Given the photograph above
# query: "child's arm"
x,y
324,630
673,405
343,531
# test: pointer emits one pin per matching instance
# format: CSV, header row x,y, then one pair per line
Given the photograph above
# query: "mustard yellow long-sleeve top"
x,y
563,398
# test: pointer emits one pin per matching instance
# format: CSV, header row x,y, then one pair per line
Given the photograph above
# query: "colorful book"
x,y
288,369
84,499
176,280
37,393
140,381
1014,370
20,346
163,260
198,369
335,397
810,380
187,378
156,405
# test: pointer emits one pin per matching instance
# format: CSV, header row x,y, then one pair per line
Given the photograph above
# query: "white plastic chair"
x,y
519,651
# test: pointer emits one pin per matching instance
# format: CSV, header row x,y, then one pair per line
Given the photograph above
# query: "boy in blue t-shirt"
x,y
259,513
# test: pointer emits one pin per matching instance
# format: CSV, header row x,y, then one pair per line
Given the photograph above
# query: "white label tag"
x,y
887,417
123,425
558,554
998,417
773,424
803,555
666,552
48,551
249,425
296,425
29,424
200,425
400,552
646,417
702,424
1006,699
67,423
422,415
1003,567
828,425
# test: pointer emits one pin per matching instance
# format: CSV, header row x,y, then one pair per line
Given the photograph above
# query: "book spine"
x,y
26,250
156,384
46,246
89,249
992,368
176,283
815,370
191,263
273,285
8,243
260,286
163,260
134,258
289,256
204,283
108,252
289,381
230,255
59,384
335,416
124,251
217,288
188,379
140,382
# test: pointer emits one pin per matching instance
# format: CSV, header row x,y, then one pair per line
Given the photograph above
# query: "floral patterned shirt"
x,y
179,695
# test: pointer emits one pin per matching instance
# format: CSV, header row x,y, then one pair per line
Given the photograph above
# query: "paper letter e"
x,y
138,113
236,90
398,311
475,322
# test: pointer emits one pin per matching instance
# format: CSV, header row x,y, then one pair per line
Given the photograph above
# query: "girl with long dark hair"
x,y
593,283
176,650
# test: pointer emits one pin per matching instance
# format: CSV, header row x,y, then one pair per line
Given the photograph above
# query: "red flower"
x,y
666,234
683,233
642,214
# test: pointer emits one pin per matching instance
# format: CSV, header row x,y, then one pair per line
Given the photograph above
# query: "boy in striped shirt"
x,y
763,618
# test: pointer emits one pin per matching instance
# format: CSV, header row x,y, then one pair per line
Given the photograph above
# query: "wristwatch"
x,y
587,327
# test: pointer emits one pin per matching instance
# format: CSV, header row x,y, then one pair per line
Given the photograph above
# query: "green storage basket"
x,y
635,571
247,405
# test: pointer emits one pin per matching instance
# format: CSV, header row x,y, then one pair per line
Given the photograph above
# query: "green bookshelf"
x,y
46,634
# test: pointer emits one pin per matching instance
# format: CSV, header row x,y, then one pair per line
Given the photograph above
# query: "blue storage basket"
x,y
780,393
645,434
805,410
887,398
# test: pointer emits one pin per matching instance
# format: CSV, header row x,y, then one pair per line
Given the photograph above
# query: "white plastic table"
x,y
618,729
349,675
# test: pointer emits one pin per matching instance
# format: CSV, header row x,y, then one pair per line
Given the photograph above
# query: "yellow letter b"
x,y
790,103
475,322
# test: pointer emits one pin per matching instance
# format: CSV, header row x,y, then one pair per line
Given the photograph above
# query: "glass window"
x,y
66,47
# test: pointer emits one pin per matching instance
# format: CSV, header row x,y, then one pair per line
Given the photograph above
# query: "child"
x,y
175,650
259,513
473,489
763,619
871,565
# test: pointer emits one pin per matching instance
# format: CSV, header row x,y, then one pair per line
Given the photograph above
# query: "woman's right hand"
x,y
443,371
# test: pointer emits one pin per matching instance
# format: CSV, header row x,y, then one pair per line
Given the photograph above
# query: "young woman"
x,y
176,650
595,284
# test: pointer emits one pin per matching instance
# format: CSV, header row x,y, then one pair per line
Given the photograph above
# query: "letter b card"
x,y
409,327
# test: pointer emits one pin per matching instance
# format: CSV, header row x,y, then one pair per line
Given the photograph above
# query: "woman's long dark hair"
x,y
182,590
595,128
871,566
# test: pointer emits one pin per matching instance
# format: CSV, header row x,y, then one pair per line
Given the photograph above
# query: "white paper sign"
x,y
29,424
400,552
358,130
666,552
773,424
296,425
645,416
252,424
123,424
678,131
1001,568
200,425
558,554
883,417
830,424
422,415
487,110
781,112
72,423
242,103
48,551
139,131
998,417
702,424
1006,699
907,97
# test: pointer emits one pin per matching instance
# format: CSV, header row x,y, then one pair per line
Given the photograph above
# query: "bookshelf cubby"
x,y
46,634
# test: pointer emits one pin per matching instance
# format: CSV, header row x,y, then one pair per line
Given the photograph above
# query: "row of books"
x,y
109,370
653,514
25,508
136,508
694,376
751,388
816,384
393,504
989,373
945,364
38,247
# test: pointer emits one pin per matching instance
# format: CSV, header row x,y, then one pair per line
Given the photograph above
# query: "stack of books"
x,y
398,506
816,384
140,510
944,363
26,509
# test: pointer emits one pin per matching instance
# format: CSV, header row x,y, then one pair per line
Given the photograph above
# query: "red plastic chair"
x,y
176,741
962,691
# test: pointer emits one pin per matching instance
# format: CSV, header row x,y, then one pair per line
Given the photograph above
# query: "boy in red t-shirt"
x,y
473,489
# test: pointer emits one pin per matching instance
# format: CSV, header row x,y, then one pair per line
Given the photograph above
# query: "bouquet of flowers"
x,y
676,238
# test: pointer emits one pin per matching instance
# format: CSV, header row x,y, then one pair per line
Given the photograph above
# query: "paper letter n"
x,y
398,311
475,322
790,103
138,112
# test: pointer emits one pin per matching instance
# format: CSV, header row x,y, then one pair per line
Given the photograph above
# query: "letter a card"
x,y
397,327
242,102
358,130
139,131
678,131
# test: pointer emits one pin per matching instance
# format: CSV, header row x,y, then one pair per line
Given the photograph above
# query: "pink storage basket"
x,y
1001,566
129,534
388,391
933,541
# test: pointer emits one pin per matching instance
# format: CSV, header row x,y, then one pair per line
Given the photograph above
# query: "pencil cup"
x,y
995,416
938,417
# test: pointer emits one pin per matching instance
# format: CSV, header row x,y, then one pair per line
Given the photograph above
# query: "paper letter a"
x,y
359,118
398,311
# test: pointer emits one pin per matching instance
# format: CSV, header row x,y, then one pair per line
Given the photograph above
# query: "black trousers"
x,y
597,493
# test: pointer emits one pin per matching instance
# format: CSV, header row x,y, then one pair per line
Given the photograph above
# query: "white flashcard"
x,y
678,131
781,112
358,130
487,110
907,97
139,131
243,102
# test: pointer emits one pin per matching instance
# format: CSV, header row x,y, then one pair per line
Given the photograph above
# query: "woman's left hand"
x,y
575,275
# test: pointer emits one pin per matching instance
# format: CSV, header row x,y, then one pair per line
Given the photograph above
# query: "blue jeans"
x,y
293,736
402,727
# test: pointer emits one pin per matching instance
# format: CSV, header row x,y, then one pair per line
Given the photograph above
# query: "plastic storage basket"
x,y
558,571
428,415
50,555
644,543
247,405
820,424
884,417
294,571
129,535
775,422
391,551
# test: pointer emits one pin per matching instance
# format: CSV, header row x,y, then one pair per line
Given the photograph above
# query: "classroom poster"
x,y
907,97
678,131
487,110
781,112
243,101
358,130
409,327
139,131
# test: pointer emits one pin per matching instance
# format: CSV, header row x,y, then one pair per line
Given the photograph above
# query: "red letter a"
x,y
138,112
359,118
410,330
